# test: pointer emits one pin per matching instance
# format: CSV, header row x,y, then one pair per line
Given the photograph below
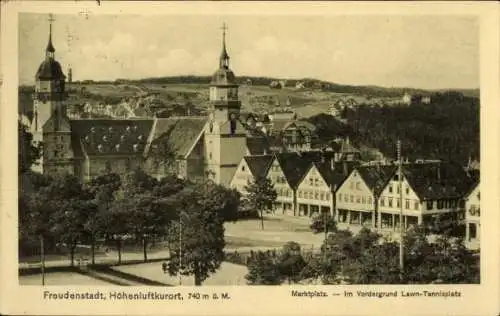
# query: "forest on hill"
x,y
447,128
309,83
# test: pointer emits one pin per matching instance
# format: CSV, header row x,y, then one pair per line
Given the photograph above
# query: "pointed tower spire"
x,y
50,48
224,57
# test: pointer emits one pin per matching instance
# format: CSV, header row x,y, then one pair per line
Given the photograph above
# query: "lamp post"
x,y
42,259
401,246
180,250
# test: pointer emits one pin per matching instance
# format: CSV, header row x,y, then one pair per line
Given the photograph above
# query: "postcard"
x,y
305,158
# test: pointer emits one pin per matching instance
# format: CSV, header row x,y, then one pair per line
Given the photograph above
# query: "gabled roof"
x,y
335,173
259,165
293,167
257,145
99,137
437,180
181,133
279,124
376,177
471,189
296,165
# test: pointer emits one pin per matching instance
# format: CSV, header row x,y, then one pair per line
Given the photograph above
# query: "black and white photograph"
x,y
206,150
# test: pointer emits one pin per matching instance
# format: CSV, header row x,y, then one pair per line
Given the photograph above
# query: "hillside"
x,y
445,128
371,90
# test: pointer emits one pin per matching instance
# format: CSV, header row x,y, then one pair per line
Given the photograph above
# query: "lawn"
x,y
60,278
278,230
228,274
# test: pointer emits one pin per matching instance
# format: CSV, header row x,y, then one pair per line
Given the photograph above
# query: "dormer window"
x,y
92,129
110,129
140,137
99,148
87,138
136,147
117,147
105,138
128,129
122,138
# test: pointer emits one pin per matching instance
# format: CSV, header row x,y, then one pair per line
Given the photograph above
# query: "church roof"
x,y
259,165
181,133
50,48
101,137
50,69
223,76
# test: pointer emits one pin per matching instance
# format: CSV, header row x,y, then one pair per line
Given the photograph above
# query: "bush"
x,y
318,224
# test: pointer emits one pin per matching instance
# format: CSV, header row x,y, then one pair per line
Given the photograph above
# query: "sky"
x,y
429,52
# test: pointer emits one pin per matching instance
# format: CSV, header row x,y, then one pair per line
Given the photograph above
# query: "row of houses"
x,y
310,183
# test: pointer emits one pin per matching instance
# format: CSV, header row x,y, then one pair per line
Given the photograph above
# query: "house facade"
x,y
423,192
473,218
249,170
357,196
314,193
283,183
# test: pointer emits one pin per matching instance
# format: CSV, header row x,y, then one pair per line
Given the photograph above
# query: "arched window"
x,y
233,127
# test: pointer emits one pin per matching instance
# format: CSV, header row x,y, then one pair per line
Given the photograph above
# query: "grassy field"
x,y
61,278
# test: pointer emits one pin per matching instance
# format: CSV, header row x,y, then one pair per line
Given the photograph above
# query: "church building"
x,y
191,147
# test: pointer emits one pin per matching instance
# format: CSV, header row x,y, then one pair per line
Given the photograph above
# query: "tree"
x,y
446,260
261,195
137,182
196,238
102,189
150,218
263,270
117,224
28,153
447,224
318,223
291,262
226,201
163,154
65,203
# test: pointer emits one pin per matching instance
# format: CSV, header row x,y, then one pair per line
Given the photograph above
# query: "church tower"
x,y
50,124
225,136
